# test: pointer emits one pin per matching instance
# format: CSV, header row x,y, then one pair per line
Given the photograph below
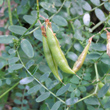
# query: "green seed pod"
x,y
49,24
57,52
49,58
78,64
100,85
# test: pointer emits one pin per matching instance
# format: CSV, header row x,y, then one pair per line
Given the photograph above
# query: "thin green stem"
x,y
97,77
38,80
72,26
23,98
100,103
70,48
84,98
96,71
98,24
95,91
31,25
37,1
34,22
48,106
9,89
9,12
100,57
49,18
58,10
17,17
88,11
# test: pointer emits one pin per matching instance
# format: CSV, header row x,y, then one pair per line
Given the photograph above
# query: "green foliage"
x,y
26,81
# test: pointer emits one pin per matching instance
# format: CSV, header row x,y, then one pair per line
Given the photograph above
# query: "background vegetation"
x,y
26,82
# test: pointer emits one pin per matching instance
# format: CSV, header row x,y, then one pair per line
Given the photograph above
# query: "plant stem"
x,y
17,17
98,24
23,98
97,77
95,91
85,98
37,1
34,22
9,12
38,80
50,17
9,89
100,103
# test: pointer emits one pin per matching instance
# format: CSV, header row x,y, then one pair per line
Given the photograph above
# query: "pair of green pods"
x,y
55,56
49,57
53,53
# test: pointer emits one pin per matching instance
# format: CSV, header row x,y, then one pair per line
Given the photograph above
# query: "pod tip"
x,y
43,31
90,39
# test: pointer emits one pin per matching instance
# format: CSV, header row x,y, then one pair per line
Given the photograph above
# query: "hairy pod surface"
x,y
49,58
57,52
78,64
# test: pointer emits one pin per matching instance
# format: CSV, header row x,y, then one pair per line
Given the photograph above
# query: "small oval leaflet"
x,y
107,6
18,94
48,6
86,6
34,89
100,15
55,28
107,104
44,77
103,90
27,48
15,67
43,96
56,105
106,61
92,101
98,47
17,29
3,63
30,63
86,19
77,8
26,80
29,19
93,56
38,35
77,23
7,39
71,101
62,90
34,13
72,56
13,60
8,81
78,35
17,101
95,2
78,47
59,20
